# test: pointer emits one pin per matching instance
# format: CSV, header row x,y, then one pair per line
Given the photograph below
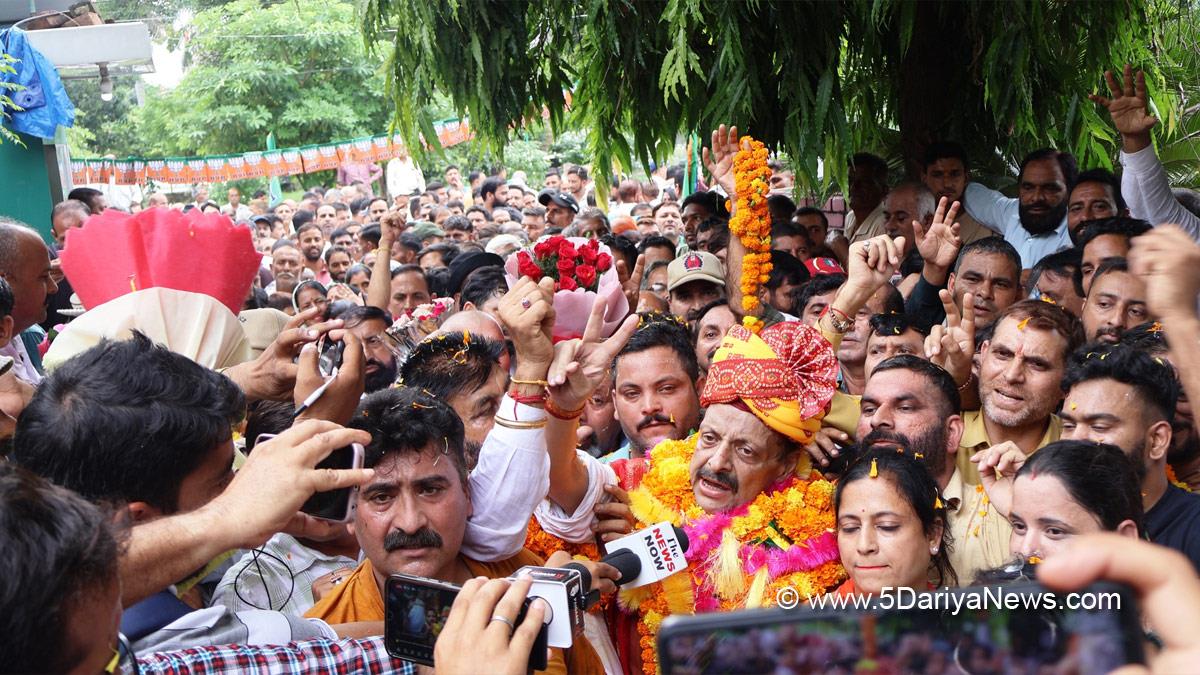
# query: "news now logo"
x,y
665,552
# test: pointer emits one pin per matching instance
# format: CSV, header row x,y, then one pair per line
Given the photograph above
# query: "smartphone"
x,y
336,505
1014,630
416,611
331,356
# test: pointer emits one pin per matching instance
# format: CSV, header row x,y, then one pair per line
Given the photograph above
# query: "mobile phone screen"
x,y
335,504
417,610
1018,637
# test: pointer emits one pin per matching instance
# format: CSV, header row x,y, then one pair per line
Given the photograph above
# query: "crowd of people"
x,y
955,387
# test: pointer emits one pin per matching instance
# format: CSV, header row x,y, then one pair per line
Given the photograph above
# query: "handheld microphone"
x,y
658,549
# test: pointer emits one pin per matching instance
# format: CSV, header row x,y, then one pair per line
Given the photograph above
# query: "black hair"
x,y
708,200
991,246
284,243
1118,225
370,233
1110,264
461,223
409,241
708,307
447,250
943,150
438,279
781,207
359,205
1100,477
339,232
1148,337
408,420
877,165
786,228
656,265
337,249
356,268
1153,379
356,315
893,301
448,364
1105,177
1063,263
59,552
86,195
408,269
714,223
126,421
813,211
301,218
489,187
785,267
934,374
623,247
482,284
916,485
267,417
895,323
656,241
7,300
1066,163
818,285
662,330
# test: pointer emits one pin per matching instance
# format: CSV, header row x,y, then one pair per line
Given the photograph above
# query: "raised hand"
x,y
579,366
939,245
1127,107
1167,260
998,466
952,346
527,310
631,282
719,160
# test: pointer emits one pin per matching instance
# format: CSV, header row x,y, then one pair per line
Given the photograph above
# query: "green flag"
x,y
274,191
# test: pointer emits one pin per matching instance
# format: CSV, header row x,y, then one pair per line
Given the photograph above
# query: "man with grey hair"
x,y
907,202
25,264
66,215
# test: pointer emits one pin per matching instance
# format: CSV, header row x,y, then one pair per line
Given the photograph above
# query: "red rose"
x,y
566,249
588,253
586,274
603,262
543,249
555,241
567,284
566,267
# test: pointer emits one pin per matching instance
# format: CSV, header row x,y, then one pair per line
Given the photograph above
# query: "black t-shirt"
x,y
1175,522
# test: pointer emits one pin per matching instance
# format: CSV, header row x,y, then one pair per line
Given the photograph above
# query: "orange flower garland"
x,y
794,517
751,223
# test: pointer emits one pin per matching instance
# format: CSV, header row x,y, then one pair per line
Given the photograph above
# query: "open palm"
x,y
719,160
1127,107
939,245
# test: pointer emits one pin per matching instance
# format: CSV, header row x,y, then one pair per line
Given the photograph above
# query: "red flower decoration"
x,y
586,274
566,267
527,267
566,249
567,284
603,262
589,254
543,249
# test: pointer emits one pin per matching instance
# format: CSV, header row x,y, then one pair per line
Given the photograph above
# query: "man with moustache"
x,y
913,404
285,267
656,381
1035,222
1116,302
412,516
1096,195
945,172
1020,376
693,280
989,269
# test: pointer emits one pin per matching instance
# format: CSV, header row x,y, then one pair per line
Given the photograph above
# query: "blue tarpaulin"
x,y
43,100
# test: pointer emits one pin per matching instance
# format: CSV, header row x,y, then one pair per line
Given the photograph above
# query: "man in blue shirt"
x,y
1035,222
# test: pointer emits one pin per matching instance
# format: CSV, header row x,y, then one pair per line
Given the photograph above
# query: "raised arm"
x,y
1168,261
379,291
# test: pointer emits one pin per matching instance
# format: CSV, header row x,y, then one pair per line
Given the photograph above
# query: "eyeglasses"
x,y
124,660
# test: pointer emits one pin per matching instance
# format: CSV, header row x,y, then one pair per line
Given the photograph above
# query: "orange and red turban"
x,y
785,375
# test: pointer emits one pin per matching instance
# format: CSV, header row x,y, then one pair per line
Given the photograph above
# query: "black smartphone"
x,y
336,505
1018,628
416,611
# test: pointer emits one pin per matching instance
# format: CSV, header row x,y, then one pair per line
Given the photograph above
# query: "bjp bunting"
x,y
255,164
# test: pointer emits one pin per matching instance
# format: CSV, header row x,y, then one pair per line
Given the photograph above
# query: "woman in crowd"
x,y
1066,489
891,526
308,294
359,277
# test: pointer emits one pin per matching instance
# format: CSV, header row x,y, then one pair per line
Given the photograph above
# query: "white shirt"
x,y
404,177
1147,192
22,366
510,479
1002,214
578,527
281,581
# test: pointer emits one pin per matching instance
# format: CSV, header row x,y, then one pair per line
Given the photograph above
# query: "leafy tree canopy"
x,y
298,69
817,79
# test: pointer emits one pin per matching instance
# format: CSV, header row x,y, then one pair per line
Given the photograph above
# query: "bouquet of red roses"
x,y
572,266
583,270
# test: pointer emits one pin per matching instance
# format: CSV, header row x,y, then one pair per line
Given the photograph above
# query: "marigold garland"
x,y
751,223
544,545
1175,479
784,538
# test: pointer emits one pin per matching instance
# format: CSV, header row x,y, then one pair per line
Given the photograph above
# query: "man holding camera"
x,y
411,517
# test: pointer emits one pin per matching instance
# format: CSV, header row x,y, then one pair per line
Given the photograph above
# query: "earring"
x,y
933,550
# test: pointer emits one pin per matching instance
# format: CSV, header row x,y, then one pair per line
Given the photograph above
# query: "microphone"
x,y
658,550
